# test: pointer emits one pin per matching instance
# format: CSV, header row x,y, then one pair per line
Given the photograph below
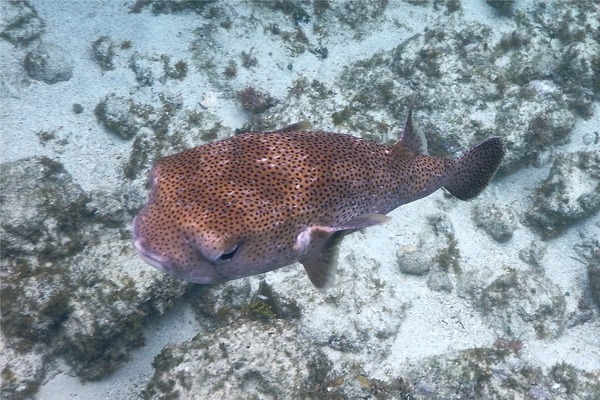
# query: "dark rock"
x,y
519,304
534,253
43,209
503,7
49,63
20,22
77,108
255,101
219,308
103,50
250,360
570,193
146,68
121,116
498,221
594,278
34,300
589,252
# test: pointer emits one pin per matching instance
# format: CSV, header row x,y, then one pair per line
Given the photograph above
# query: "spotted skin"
x,y
259,201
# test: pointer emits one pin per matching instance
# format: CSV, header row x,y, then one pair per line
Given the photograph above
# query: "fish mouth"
x,y
162,263
157,261
153,259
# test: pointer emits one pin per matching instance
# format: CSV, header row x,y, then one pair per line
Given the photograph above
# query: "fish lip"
x,y
152,259
165,264
161,263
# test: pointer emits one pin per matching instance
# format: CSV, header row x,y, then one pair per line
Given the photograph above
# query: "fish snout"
x,y
145,252
151,258
185,256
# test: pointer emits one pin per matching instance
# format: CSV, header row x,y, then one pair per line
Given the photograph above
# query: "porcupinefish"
x,y
259,201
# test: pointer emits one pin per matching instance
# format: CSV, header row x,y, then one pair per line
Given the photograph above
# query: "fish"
x,y
259,201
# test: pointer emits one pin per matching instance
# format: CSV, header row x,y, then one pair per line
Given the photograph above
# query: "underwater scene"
x,y
392,199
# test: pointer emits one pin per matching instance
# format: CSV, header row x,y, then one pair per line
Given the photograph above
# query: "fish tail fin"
x,y
474,169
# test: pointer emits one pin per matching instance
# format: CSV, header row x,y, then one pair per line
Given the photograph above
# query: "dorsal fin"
x,y
412,137
295,127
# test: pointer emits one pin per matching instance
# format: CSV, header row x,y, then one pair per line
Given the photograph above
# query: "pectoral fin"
x,y
320,262
320,246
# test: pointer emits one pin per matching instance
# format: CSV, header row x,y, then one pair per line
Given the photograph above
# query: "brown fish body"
x,y
259,201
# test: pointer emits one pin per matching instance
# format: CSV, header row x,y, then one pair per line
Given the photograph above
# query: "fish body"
x,y
262,200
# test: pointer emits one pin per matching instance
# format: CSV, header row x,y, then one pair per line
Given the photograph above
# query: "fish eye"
x,y
228,255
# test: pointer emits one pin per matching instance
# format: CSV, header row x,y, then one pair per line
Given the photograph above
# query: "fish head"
x,y
208,239
199,258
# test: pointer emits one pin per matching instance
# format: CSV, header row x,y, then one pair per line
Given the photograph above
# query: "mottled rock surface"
x,y
569,194
499,221
426,253
69,285
121,116
49,63
104,50
498,373
22,371
240,361
524,305
43,209
20,23
533,253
